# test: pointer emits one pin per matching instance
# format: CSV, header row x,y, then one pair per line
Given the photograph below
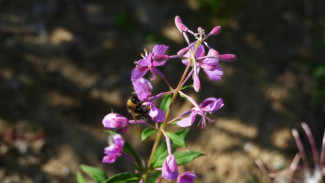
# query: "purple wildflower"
x,y
186,177
150,61
170,168
142,88
208,63
209,105
114,150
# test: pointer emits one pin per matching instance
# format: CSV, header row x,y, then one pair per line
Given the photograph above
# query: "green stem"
x,y
164,124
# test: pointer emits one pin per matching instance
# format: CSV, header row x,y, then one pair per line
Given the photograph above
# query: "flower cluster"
x,y
144,111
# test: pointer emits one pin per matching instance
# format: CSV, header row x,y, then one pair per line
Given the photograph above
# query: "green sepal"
x,y
95,173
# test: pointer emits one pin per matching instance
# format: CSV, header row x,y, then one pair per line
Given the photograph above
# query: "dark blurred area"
x,y
65,64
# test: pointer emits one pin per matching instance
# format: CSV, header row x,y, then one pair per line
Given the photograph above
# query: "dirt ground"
x,y
65,64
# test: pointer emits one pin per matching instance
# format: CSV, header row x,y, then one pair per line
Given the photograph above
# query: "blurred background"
x,y
65,64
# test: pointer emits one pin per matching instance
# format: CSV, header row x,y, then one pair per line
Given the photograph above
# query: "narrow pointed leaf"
x,y
129,150
162,152
178,140
153,177
80,178
147,132
187,86
182,133
186,156
165,103
125,177
95,173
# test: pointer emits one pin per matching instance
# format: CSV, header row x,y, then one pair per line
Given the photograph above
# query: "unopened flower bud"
x,y
179,24
182,51
215,31
196,83
160,58
114,120
228,57
170,168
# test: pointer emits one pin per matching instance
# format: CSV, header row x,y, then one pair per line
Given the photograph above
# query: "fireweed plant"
x,y
300,173
163,161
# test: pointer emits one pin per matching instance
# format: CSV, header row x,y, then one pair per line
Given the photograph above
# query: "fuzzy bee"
x,y
137,108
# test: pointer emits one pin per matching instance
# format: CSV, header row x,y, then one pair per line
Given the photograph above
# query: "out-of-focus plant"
x,y
304,172
163,162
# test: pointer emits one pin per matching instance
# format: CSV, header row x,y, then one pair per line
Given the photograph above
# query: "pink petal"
x,y
138,72
159,49
160,117
215,74
188,121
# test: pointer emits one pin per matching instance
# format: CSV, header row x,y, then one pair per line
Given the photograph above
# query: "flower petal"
x,y
211,58
211,104
188,121
160,116
214,74
118,140
146,60
138,72
159,49
142,87
153,110
186,177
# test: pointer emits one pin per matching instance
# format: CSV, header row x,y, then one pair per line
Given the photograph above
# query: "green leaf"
x,y
174,122
176,139
111,132
80,178
186,156
165,103
95,173
153,177
162,152
147,132
125,177
129,150
182,133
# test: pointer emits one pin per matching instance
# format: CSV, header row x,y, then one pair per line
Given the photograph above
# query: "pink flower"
x,y
186,177
151,60
114,150
209,105
170,168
